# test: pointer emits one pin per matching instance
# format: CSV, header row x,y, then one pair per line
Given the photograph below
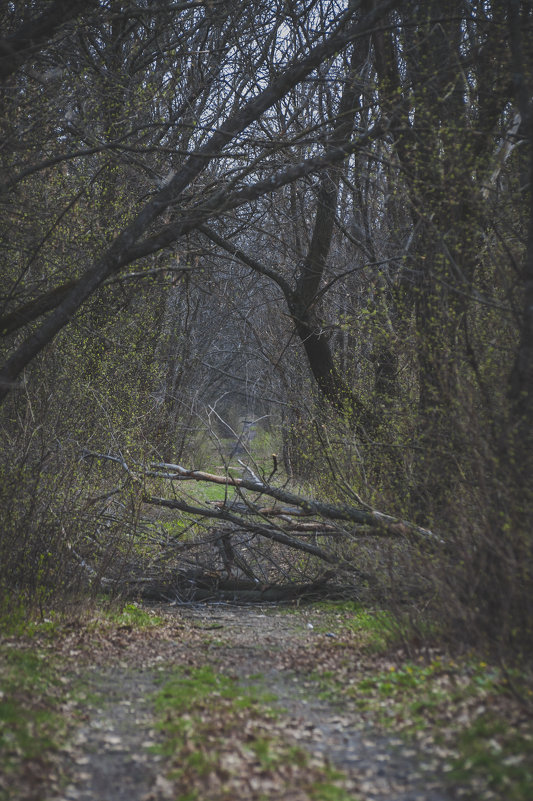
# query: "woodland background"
x,y
234,228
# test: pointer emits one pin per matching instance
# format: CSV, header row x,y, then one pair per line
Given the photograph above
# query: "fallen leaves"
x,y
229,747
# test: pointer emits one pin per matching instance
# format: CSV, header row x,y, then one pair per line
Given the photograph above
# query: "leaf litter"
x,y
306,745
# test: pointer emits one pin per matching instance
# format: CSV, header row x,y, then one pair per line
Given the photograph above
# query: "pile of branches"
x,y
308,541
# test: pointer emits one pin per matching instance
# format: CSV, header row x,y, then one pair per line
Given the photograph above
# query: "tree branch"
x,y
382,523
117,256
270,533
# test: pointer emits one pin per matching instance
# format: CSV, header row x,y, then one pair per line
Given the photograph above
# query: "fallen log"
x,y
379,522
211,587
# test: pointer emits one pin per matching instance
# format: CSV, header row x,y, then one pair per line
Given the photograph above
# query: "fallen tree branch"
x,y
378,522
204,586
269,533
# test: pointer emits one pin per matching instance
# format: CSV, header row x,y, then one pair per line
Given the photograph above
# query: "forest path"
x,y
111,759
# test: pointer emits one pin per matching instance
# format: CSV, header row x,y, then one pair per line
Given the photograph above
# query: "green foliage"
x,y
265,443
13,614
135,616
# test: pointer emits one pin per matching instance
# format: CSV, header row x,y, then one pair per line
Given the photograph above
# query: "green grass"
x,y
453,701
328,791
197,703
214,727
32,723
374,629
496,756
38,704
412,689
201,492
135,616
188,689
183,525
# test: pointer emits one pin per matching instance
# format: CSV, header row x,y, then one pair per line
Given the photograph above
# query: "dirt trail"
x,y
111,758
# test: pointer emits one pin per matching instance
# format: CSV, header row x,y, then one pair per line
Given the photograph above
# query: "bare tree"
x,y
126,247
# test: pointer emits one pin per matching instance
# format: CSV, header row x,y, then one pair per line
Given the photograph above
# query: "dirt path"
x,y
111,760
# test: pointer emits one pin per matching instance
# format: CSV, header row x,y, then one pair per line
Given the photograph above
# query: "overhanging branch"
x,y
123,251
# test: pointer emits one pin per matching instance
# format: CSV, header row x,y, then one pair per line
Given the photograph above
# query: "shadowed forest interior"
x,y
266,309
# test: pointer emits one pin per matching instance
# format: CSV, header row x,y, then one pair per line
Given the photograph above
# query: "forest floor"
x,y
221,702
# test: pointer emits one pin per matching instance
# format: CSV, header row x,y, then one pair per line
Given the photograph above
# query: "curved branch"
x,y
255,265
124,250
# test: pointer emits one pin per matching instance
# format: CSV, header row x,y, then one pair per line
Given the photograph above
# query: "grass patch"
x,y
39,704
225,741
134,616
465,711
29,695
198,493
373,629
187,692
184,526
499,759
414,690
32,720
207,492
330,791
